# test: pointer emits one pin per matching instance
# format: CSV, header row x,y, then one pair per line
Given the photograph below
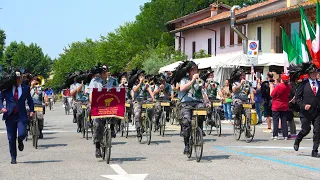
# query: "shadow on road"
x,y
121,160
52,145
45,138
209,140
39,162
118,143
49,133
210,158
160,142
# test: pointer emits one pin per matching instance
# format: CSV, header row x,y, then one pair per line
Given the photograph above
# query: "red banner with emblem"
x,y
108,103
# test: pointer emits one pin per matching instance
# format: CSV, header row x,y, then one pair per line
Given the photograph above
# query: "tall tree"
x,y
2,42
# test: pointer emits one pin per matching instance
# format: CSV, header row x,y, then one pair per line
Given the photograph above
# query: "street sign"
x,y
253,48
253,52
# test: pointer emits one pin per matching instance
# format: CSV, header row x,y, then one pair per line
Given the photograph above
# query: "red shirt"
x,y
280,97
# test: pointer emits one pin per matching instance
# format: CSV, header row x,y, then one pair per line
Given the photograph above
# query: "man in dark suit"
x,y
308,99
15,113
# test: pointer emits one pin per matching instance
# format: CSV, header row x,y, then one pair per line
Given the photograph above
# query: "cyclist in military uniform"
x,y
212,86
241,89
77,93
193,96
104,81
163,91
140,92
36,92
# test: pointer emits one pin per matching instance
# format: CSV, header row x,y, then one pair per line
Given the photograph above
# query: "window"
x,y
222,37
231,37
259,37
294,27
239,38
193,49
210,46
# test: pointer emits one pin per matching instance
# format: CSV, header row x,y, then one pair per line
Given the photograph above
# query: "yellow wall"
x,y
267,34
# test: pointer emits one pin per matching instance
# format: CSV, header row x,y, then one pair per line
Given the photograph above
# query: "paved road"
x,y
63,154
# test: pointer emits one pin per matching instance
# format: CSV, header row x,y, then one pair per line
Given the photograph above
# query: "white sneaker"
x,y
63,106
286,138
274,138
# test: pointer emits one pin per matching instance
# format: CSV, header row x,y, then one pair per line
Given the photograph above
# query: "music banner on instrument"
x,y
108,103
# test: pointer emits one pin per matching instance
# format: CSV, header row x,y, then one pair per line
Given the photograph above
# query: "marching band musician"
x,y
241,89
212,86
77,91
36,94
163,91
141,92
193,96
103,81
308,98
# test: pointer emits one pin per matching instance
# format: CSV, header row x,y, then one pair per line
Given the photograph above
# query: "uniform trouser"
x,y
178,112
13,123
282,115
306,127
158,112
291,123
78,112
98,128
237,110
129,110
186,113
137,110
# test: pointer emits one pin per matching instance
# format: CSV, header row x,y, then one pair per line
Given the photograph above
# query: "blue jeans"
x,y
227,111
258,111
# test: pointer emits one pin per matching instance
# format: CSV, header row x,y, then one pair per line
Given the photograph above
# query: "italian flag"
x,y
289,52
301,48
316,40
307,32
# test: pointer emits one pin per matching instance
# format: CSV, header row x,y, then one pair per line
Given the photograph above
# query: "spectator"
x,y
226,94
265,94
257,99
280,106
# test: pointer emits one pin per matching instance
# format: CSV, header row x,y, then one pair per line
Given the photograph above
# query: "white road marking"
x,y
123,175
267,147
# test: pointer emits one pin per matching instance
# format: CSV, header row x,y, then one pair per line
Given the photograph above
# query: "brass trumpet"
x,y
200,82
145,81
151,83
125,83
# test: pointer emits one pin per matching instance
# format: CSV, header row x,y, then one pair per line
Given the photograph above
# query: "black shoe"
x,y
20,145
186,149
315,154
98,153
13,161
203,134
40,135
296,145
139,133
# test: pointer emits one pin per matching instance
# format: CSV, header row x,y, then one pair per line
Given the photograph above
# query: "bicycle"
x,y
163,117
173,114
124,128
85,122
214,120
67,105
246,124
146,122
50,102
34,126
196,138
105,144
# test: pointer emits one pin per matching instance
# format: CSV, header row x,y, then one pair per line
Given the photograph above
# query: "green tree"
x,y
201,54
2,42
32,58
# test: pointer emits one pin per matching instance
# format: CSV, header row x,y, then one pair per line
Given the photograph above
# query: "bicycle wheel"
x,y
198,144
148,130
190,147
172,116
84,122
208,126
66,109
218,124
87,125
250,131
50,106
127,128
122,127
237,129
108,146
103,144
163,124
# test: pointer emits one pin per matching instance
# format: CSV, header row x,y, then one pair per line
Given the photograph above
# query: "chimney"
x,y
214,9
294,2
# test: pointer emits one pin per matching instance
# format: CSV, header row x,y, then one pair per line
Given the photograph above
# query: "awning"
x,y
170,67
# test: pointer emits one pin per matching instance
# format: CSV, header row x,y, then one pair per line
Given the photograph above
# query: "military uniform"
x,y
192,98
36,94
78,98
239,98
166,96
99,123
139,97
212,92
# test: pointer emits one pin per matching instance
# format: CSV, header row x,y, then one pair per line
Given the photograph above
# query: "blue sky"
x,y
53,24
